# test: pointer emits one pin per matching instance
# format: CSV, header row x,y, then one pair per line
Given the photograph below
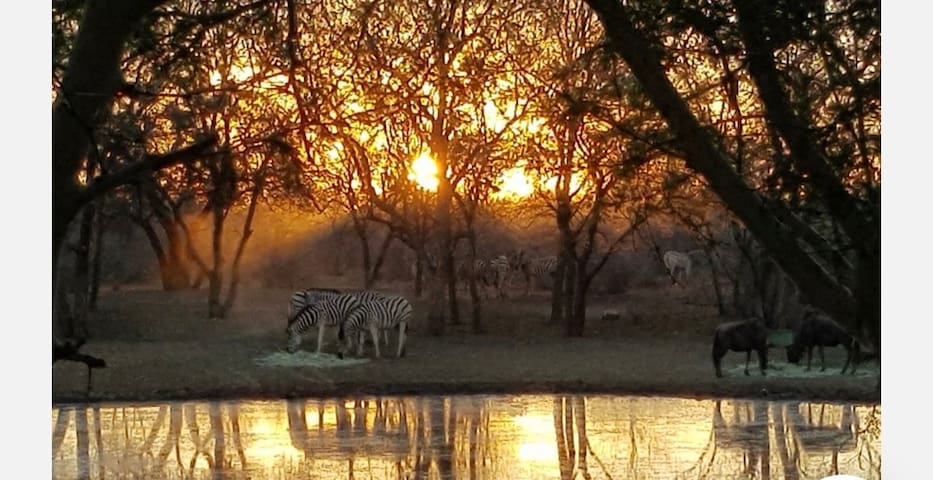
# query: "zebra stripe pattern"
x,y
381,314
303,298
328,312
494,272
538,268
317,297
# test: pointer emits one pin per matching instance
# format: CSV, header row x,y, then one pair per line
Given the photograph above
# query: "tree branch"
x,y
150,163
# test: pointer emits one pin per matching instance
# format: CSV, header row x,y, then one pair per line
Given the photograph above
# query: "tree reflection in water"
x,y
467,437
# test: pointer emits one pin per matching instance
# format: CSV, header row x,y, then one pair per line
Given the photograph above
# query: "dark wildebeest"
x,y
741,336
818,330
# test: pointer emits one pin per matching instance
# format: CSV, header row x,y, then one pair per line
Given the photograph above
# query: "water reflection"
x,y
467,437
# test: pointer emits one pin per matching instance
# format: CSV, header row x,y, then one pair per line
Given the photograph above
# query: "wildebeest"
x,y
741,336
818,330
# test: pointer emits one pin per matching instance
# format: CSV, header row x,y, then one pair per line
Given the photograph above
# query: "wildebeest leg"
x,y
848,359
856,356
852,356
763,359
822,359
718,352
809,356
89,371
748,358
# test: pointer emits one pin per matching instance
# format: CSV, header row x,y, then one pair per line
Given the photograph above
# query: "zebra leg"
x,y
385,334
374,332
320,336
402,326
361,343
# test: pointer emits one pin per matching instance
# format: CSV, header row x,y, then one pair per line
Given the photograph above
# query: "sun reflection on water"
x,y
529,436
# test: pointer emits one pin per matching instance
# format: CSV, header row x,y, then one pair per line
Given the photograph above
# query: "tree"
x,y
825,151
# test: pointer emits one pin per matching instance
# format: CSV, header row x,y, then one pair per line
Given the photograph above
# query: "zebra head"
x,y
517,259
294,340
304,319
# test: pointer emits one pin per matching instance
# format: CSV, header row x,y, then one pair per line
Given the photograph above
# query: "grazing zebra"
x,y
303,298
374,315
327,311
537,268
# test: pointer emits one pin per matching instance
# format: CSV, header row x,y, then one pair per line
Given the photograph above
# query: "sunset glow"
x,y
424,172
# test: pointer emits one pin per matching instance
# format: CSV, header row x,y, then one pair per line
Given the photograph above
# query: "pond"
x,y
467,437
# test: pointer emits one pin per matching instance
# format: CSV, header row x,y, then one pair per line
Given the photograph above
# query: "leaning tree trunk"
x,y
373,275
241,247
704,155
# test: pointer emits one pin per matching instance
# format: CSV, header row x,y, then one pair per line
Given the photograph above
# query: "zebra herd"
x,y
497,273
352,313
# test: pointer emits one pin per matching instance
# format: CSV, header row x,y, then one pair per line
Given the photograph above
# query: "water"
x,y
467,437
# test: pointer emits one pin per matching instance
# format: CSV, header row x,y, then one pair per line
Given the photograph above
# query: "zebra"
x,y
328,310
494,272
500,270
376,314
302,298
536,268
681,262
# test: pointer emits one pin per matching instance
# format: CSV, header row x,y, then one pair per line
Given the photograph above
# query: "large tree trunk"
x,y
83,271
233,290
373,275
576,299
359,228
854,309
96,259
714,277
89,84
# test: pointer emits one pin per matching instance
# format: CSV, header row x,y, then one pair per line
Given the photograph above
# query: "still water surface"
x,y
467,437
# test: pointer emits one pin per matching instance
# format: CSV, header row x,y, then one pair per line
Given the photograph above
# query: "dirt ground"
x,y
160,346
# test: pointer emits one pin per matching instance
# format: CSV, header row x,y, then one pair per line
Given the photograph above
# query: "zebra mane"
x,y
299,312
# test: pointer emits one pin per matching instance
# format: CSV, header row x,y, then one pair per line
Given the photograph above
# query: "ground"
x,y
160,346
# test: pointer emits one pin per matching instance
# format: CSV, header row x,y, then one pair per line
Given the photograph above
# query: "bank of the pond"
x,y
140,370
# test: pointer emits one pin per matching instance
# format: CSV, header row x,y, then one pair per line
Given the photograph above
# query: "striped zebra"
x,y
537,268
326,310
383,314
494,272
302,298
500,271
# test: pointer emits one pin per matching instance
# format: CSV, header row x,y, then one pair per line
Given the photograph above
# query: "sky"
x,y
26,273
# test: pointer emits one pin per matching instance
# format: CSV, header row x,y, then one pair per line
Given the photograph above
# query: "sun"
x,y
424,172
513,183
